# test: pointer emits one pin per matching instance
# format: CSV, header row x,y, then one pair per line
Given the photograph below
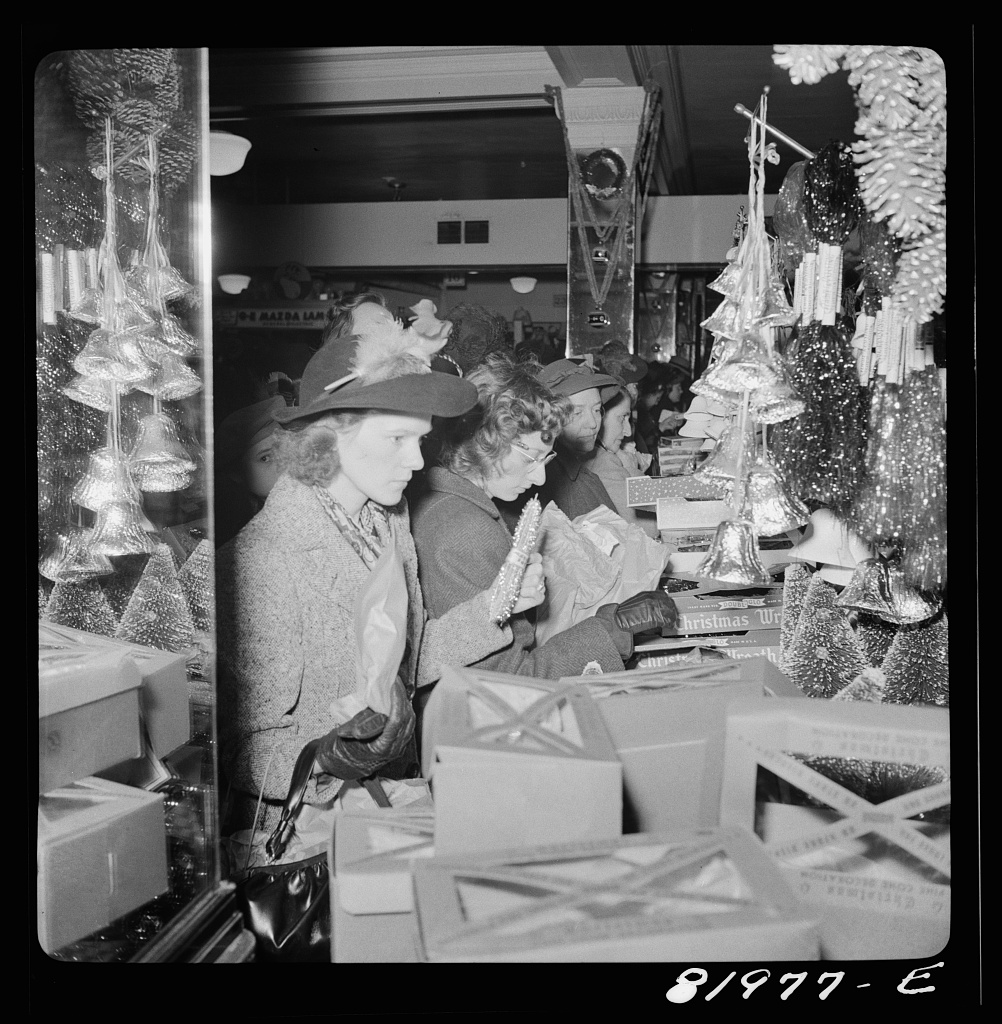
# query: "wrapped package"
x,y
706,895
852,801
595,559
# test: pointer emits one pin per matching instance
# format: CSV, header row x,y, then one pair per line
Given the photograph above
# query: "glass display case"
x,y
128,853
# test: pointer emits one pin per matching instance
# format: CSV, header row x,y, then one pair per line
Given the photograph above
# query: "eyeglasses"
x,y
527,455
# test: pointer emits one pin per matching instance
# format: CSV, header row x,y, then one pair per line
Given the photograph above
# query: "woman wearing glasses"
x,y
499,451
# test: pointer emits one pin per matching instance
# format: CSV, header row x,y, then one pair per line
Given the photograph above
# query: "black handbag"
x,y
287,906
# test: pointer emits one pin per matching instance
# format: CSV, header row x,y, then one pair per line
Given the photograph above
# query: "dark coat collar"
x,y
445,481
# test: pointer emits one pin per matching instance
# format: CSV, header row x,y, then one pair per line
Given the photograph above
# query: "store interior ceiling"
x,y
426,123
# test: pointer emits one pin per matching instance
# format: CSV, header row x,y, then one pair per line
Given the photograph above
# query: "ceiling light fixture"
x,y
523,285
227,152
233,284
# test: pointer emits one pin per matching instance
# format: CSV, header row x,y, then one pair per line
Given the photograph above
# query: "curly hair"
x,y
512,402
339,315
307,449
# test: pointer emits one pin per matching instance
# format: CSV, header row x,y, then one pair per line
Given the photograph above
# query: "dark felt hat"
x,y
567,377
330,384
245,427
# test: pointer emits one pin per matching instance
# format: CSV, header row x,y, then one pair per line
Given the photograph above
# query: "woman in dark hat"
x,y
499,452
288,583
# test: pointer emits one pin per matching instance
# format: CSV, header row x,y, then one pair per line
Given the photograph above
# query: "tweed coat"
x,y
286,591
462,541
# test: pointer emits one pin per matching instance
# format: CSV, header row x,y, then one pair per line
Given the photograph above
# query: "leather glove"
x,y
361,746
623,639
650,609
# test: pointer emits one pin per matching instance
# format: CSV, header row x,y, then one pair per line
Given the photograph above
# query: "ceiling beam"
x,y
376,80
584,66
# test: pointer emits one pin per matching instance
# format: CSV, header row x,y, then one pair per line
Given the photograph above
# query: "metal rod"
x,y
740,108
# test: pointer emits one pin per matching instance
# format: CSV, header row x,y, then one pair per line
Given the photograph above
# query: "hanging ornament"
x,y
769,504
789,220
824,655
722,464
917,664
159,461
95,392
908,605
157,614
69,558
119,530
832,204
107,479
869,590
80,605
172,378
733,555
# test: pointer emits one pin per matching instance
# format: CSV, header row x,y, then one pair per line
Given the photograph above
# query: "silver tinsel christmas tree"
x,y
157,614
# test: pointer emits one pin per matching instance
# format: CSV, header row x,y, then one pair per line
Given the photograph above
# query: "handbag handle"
x,y
286,827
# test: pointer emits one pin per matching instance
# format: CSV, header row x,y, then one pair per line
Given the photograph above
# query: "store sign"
x,y
312,315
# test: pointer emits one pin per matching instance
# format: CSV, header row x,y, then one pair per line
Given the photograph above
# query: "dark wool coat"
x,y
462,542
286,591
573,487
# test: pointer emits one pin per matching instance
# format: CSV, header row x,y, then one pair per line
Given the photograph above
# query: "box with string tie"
x,y
514,761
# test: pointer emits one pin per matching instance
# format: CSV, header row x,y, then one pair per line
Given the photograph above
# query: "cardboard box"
x,y
705,895
514,760
88,713
756,643
371,938
670,737
374,853
644,491
835,790
164,695
704,612
102,852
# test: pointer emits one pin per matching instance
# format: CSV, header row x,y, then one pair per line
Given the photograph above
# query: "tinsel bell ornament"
x,y
70,558
776,402
107,479
908,605
721,465
172,378
746,367
119,530
869,590
113,357
733,555
159,461
97,392
768,503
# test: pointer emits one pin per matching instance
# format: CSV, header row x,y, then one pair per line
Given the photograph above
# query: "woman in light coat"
x,y
288,583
